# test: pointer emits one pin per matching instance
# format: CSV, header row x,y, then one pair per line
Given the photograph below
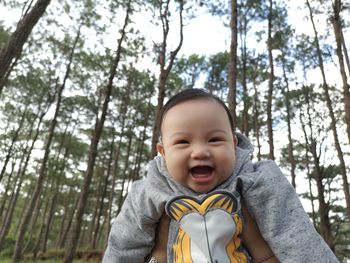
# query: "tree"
x,y
331,112
271,79
12,49
73,241
337,26
17,255
232,76
164,63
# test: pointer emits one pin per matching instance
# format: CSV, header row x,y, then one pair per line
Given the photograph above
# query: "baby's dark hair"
x,y
191,94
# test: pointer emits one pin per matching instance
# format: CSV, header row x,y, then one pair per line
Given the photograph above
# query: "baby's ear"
x,y
235,140
160,148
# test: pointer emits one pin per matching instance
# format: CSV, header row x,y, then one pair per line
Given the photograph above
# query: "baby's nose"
x,y
200,151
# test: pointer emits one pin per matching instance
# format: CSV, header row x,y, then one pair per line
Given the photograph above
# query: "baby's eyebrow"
x,y
178,134
217,131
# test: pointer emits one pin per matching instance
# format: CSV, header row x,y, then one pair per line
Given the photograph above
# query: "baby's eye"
x,y
216,139
181,142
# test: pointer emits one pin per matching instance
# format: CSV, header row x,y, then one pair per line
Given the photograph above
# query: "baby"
x,y
203,181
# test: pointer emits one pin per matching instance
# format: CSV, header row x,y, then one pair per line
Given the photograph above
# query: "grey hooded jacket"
x,y
267,194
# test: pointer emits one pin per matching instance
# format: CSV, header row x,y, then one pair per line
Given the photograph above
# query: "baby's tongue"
x,y
201,171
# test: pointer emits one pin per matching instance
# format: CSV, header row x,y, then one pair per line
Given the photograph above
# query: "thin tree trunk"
x,y
42,229
13,47
83,196
140,149
101,202
17,255
8,218
337,26
50,216
270,92
342,166
69,224
126,167
115,162
290,140
165,70
7,188
96,209
256,114
32,225
14,139
232,75
307,147
345,50
325,225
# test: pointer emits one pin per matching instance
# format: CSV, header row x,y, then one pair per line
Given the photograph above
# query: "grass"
x,y
8,260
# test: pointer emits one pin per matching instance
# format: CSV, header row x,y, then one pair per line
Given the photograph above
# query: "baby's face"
x,y
197,144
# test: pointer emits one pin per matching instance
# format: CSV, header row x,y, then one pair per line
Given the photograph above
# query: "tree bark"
x,y
14,139
114,170
96,230
13,48
126,167
256,112
7,188
325,225
337,26
288,111
165,70
307,160
270,92
325,87
232,76
64,235
83,196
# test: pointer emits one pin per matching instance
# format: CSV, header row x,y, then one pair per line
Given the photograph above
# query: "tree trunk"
x,y
126,167
345,50
165,70
17,255
14,139
141,143
325,87
307,160
97,197
246,99
115,164
288,111
69,224
13,48
325,225
8,218
337,26
83,196
55,190
42,228
256,113
270,92
96,230
7,188
232,75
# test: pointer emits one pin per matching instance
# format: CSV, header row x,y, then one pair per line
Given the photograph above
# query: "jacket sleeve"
x,y
132,234
282,221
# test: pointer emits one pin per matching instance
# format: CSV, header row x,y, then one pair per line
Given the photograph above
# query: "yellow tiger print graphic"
x,y
209,229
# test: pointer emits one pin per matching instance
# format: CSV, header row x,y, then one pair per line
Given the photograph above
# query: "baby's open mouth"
x,y
201,171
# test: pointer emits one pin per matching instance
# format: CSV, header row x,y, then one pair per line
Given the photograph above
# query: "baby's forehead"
x,y
207,109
